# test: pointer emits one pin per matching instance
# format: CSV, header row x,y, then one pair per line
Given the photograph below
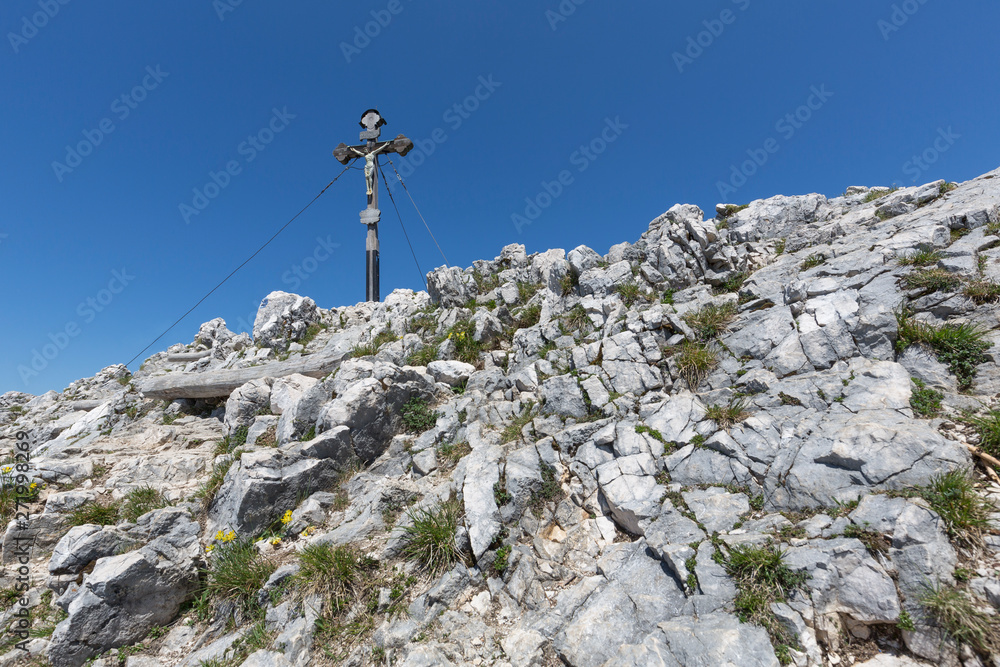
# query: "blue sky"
x,y
539,122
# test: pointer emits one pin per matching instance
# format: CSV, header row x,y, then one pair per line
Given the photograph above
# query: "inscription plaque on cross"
x,y
372,123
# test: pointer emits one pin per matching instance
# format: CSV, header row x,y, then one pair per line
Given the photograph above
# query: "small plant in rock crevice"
x,y
712,320
812,261
962,618
925,402
430,537
417,415
694,362
961,346
965,512
727,416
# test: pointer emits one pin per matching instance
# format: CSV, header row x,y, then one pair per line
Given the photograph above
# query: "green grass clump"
x,y
312,331
920,258
727,416
237,572
569,282
694,362
453,452
512,431
466,348
965,512
761,579
779,247
878,194
229,443
961,346
430,538
577,319
527,290
711,320
527,316
360,350
550,491
208,490
423,356
982,291
925,402
337,573
813,260
962,619
628,292
141,500
642,428
932,280
788,400
417,415
732,284
501,558
874,541
988,428
95,512
729,210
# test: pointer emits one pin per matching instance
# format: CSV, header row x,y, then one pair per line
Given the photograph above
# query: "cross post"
x,y
372,123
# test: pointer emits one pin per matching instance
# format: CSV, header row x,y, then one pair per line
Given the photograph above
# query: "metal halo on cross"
x,y
372,120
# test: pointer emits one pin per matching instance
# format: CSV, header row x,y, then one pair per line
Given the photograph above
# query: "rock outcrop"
x,y
712,446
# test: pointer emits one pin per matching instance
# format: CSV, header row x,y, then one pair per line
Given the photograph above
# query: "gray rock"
x,y
246,403
562,396
283,318
122,599
289,390
708,641
482,516
717,509
82,545
262,485
449,287
453,373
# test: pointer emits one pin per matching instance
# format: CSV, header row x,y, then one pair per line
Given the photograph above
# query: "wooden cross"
x,y
372,123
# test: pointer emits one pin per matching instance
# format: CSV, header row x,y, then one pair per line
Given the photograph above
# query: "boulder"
x,y
245,404
283,318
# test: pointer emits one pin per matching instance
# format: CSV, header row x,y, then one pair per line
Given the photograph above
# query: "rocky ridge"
x,y
716,445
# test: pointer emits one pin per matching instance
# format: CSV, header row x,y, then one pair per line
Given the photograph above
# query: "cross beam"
x,y
372,123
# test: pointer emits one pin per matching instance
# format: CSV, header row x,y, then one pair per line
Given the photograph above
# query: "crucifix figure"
x,y
372,123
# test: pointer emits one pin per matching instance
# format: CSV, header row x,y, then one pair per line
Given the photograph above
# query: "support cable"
x,y
247,261
392,199
415,206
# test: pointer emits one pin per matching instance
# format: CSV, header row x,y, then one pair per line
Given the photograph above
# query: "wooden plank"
x,y
221,383
188,356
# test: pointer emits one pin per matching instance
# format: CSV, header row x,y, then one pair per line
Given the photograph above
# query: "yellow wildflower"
x,y
308,531
7,469
210,548
230,536
287,518
219,535
275,541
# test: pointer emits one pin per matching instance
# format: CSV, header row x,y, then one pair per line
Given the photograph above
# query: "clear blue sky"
x,y
199,78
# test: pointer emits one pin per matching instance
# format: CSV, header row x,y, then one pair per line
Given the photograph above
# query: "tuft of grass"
x,y
527,290
947,187
932,280
417,415
711,320
95,512
628,292
813,260
788,400
728,416
962,619
961,346
779,247
141,500
642,428
982,291
730,210
312,331
423,356
550,491
454,452
208,490
761,579
237,572
925,402
875,195
528,316
668,297
874,541
359,351
694,362
512,431
732,284
987,427
920,258
569,282
337,573
430,538
965,512
577,319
